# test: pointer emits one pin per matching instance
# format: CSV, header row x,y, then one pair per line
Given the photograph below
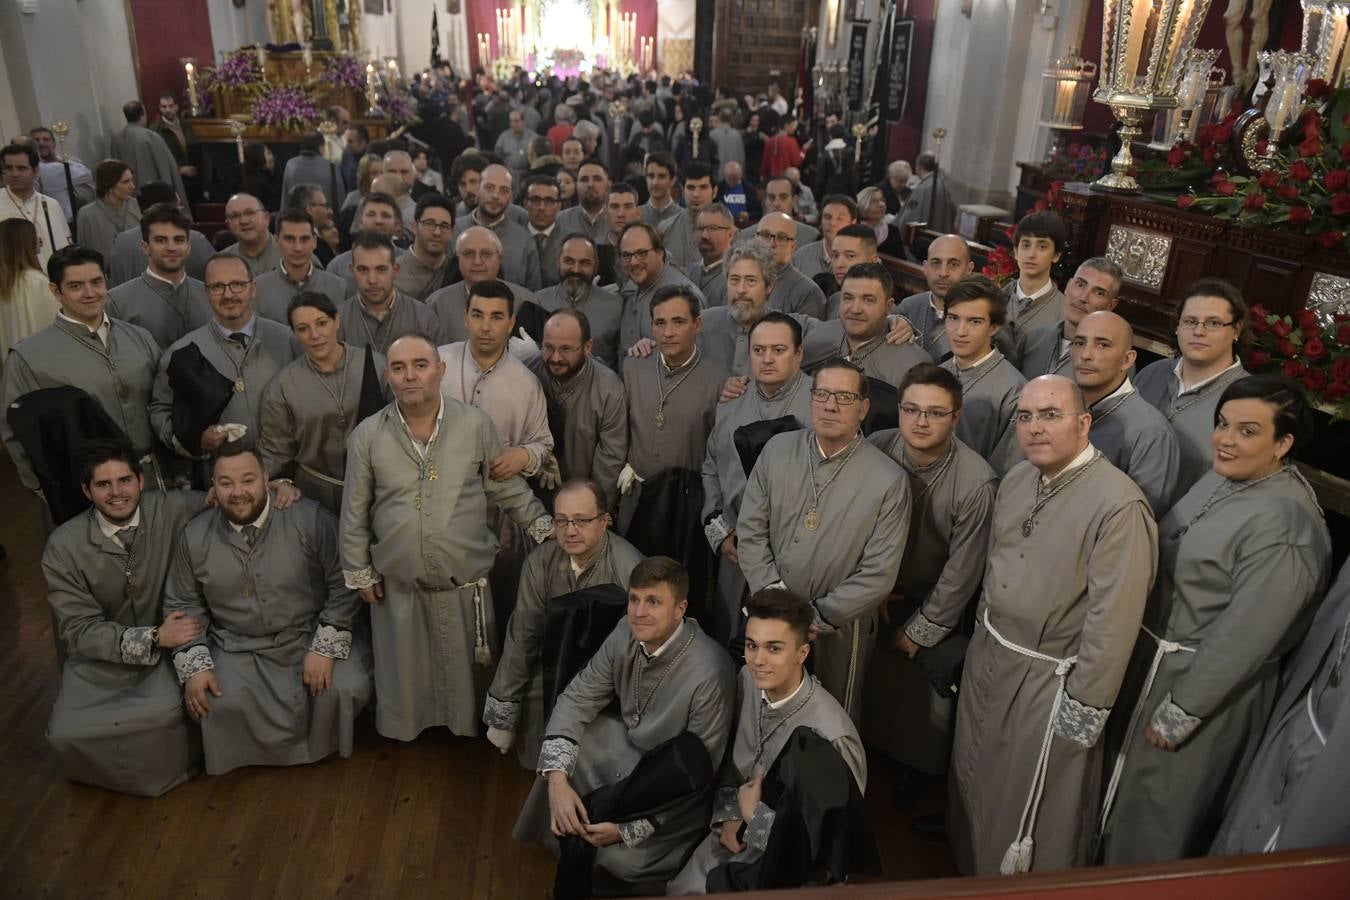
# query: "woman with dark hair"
x,y
258,175
1211,334
26,302
1244,557
115,210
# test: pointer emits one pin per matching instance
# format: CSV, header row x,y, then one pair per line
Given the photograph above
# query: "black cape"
x,y
372,395
200,395
885,406
668,522
576,625
750,439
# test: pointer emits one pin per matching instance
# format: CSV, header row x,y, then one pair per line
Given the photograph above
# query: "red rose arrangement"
x,y
1308,348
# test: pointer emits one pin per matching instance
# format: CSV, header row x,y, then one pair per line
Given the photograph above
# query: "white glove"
x,y
627,478
550,476
522,346
233,431
500,739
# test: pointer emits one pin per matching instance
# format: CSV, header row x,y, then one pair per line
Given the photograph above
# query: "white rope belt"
x,y
1164,648
482,653
1017,858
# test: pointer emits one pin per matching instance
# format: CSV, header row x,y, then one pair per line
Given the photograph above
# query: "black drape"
x,y
576,625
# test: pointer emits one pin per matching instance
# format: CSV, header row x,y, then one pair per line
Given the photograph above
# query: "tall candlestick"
x,y
308,56
191,70
262,57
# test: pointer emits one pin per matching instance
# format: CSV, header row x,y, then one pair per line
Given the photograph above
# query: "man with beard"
x,y
118,718
543,199
854,244
836,211
643,257
298,272
780,390
479,253
427,265
267,583
792,292
714,231
576,291
378,216
417,546
725,335
1045,348
583,554
164,300
519,254
379,313
588,216
859,335
673,222
924,314
247,219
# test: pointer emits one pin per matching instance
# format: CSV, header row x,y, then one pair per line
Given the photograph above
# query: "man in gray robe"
x,y
543,199
247,219
127,258
780,389
379,313
643,258
905,715
664,677
792,292
118,718
246,349
671,220
587,407
1126,428
576,291
859,335
266,583
163,299
111,361
583,553
725,334
310,167
1095,287
1295,792
1071,560
853,244
837,211
714,231
776,697
929,202
146,152
989,382
479,251
378,215
519,254
947,262
1033,298
416,544
298,270
825,514
588,216
424,266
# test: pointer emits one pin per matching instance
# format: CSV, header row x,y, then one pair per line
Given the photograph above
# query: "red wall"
x,y
165,31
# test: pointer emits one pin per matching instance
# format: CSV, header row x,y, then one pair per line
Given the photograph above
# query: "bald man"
x,y
1044,349
1126,428
396,187
520,255
399,162
247,220
793,292
947,262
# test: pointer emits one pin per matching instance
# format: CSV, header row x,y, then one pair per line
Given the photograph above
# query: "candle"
x,y
1134,43
191,86
308,55
262,57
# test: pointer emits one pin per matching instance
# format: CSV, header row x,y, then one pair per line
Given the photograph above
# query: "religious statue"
x,y
1244,72
289,21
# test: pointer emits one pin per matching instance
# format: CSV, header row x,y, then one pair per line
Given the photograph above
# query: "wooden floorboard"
x,y
431,818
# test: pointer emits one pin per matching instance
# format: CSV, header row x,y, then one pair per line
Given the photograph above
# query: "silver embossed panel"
x,y
1141,254
1329,296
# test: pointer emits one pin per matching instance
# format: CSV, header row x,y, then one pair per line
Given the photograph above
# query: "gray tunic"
x,y
1295,792
1191,414
1237,588
725,341
1074,587
420,525
265,606
574,220
591,744
305,419
724,478
118,718
811,259
520,257
404,316
450,303
846,566
929,329
710,280
166,311
989,393
637,310
885,362
127,260
677,232
1135,437
118,377
415,278
793,292
1024,314
341,266
811,707
689,412
603,309
1045,352
276,290
98,224
593,409
806,234
944,561
515,700
265,261
271,348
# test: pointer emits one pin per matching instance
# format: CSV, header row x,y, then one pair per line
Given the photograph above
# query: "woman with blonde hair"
x,y
26,301
115,210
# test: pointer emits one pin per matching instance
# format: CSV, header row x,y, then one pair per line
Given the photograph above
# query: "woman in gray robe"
x,y
1243,557
99,223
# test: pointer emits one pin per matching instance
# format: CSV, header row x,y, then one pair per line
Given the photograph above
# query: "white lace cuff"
x,y
924,631
191,661
541,529
501,714
1079,723
1173,723
634,833
759,827
716,530
137,646
334,643
559,754
360,579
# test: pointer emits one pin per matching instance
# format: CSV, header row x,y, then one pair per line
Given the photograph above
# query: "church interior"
x,y
1179,140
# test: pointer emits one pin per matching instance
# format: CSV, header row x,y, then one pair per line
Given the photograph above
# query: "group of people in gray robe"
x,y
959,526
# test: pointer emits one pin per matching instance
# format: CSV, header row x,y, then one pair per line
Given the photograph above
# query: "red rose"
x,y
1209,155
1293,369
1175,157
1204,137
1310,148
1286,347
1223,133
1314,380
1340,369
1287,190
1269,179
1254,201
1219,177
1330,240
1299,215
1259,324
1345,151
1316,87
1343,338
1262,147
1336,392
1340,204
1185,201
1259,312
1314,349
1281,328
1300,171
1257,359
1337,179
1226,188
1308,321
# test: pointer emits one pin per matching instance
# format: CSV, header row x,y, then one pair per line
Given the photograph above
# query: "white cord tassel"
x,y
482,653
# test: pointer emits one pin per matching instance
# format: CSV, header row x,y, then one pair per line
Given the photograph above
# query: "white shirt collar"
x,y
262,516
1082,459
101,331
1041,292
182,276
979,362
309,273
110,529
775,704
420,447
1124,390
827,456
546,232
670,640
1199,384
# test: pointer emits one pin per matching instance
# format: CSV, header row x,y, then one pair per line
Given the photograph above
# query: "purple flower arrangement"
x,y
238,69
397,105
344,71
287,107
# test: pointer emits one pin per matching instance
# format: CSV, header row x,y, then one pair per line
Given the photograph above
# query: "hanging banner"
x,y
857,63
881,78
897,89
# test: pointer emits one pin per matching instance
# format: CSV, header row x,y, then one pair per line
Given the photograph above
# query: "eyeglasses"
x,y
774,238
702,228
216,288
914,412
236,216
1049,417
433,225
638,255
322,204
1190,323
562,523
544,201
843,398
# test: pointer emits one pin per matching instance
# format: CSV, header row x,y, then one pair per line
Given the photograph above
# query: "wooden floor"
x,y
431,818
